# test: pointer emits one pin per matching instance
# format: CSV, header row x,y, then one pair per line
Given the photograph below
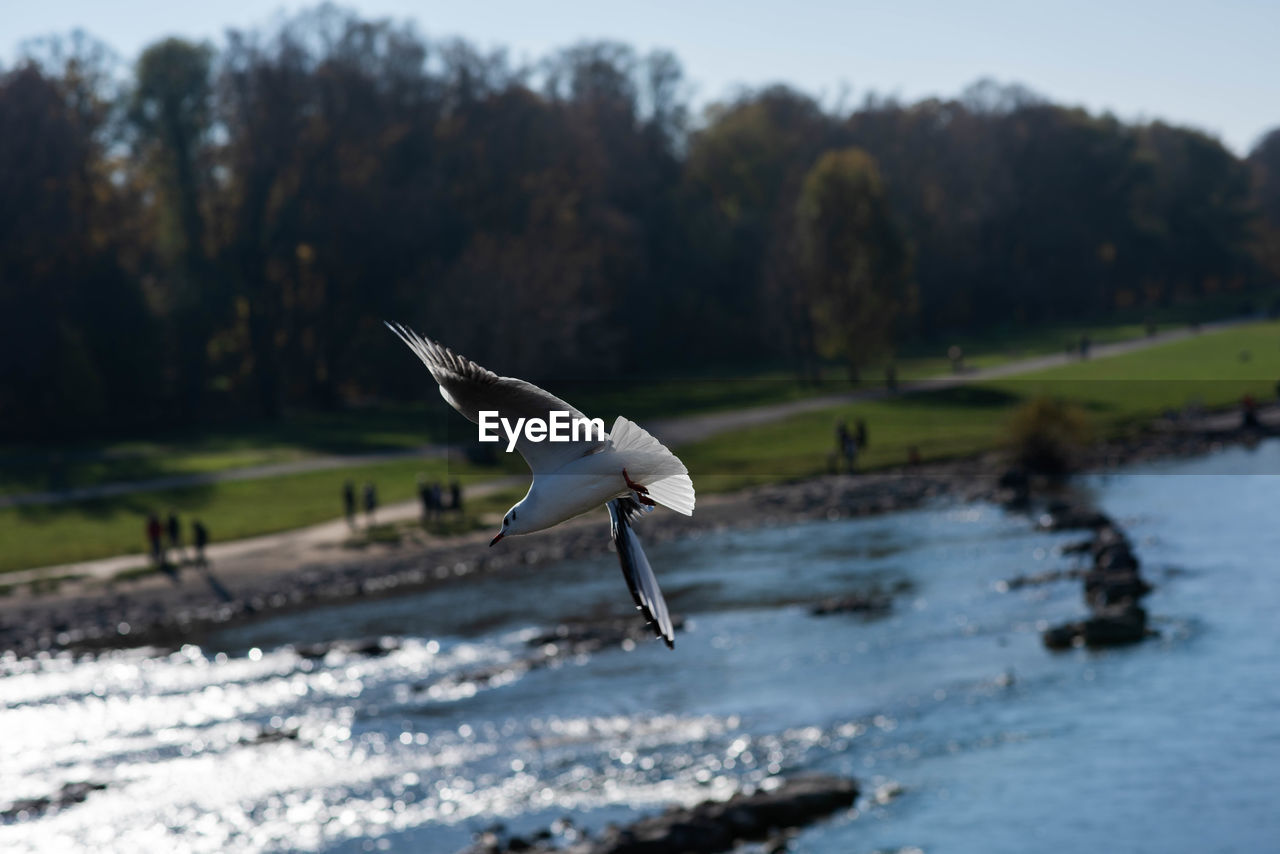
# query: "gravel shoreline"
x,y
154,610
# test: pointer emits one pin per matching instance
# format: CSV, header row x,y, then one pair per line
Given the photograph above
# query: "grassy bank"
x,y
65,533
1213,370
1115,392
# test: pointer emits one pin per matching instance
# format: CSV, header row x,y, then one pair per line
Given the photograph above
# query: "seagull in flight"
x,y
627,470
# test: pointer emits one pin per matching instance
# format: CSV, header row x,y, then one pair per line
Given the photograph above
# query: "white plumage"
x,y
628,470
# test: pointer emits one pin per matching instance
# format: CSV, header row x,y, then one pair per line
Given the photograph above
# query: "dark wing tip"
x,y
637,572
652,622
442,362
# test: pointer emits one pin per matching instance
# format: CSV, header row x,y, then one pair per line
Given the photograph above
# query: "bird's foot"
x,y
640,490
632,485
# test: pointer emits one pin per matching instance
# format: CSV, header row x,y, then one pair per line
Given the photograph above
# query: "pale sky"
x,y
1214,66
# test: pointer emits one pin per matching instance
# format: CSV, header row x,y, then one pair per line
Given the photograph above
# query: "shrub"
x,y
1045,435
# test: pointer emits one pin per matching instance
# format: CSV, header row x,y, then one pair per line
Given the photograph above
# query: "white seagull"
x,y
628,470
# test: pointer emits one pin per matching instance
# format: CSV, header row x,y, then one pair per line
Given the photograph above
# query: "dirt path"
x,y
320,543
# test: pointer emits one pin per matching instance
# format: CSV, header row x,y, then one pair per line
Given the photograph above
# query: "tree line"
x,y
218,232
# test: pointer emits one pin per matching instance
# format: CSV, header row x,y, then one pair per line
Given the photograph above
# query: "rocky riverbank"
x,y
156,610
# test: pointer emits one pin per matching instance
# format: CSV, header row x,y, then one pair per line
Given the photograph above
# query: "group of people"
x,y
434,503
369,497
171,528
849,444
434,496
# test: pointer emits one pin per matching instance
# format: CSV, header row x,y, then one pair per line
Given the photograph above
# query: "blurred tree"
x,y
1202,212
1265,163
67,297
855,262
742,175
170,109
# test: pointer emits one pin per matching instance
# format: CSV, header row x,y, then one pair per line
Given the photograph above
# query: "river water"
x,y
967,735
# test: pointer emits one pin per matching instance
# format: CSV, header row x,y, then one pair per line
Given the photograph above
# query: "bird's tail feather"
x,y
654,466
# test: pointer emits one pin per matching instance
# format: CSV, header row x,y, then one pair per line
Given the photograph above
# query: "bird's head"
x,y
511,524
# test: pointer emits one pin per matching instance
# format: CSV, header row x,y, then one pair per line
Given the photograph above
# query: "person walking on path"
x,y
200,537
846,446
174,527
1248,412
425,498
349,503
860,434
455,497
154,538
370,503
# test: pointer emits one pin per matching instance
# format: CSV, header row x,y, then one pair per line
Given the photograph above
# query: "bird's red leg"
x,y
632,485
640,491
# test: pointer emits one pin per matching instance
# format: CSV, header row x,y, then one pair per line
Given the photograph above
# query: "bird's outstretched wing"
x,y
471,389
636,570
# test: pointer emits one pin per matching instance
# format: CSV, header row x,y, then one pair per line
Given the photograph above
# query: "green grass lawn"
x,y
941,424
1213,370
1116,393
64,533
179,452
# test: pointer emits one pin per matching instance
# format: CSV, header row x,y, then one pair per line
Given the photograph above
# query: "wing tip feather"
x,y
438,357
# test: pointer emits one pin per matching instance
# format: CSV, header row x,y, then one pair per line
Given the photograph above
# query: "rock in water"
x,y
1107,589
1115,627
710,827
856,603
1061,516
70,793
1108,627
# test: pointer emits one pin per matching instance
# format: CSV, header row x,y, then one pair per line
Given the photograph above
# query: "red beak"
x,y
494,541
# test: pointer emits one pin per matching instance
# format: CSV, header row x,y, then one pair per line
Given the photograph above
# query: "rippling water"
x,y
996,744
